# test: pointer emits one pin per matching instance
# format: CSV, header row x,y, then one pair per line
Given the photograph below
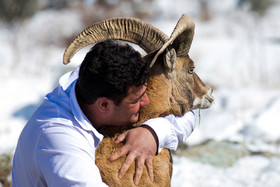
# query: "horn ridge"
x,y
127,29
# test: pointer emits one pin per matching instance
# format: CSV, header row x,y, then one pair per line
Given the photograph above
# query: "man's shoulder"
x,y
62,133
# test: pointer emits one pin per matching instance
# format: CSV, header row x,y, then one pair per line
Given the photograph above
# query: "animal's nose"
x,y
210,96
210,90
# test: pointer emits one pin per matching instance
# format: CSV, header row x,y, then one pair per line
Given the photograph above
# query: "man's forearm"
x,y
172,130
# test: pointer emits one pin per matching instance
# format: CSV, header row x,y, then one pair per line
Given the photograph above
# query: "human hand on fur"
x,y
140,145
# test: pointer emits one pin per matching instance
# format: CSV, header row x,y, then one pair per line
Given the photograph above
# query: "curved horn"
x,y
132,30
181,38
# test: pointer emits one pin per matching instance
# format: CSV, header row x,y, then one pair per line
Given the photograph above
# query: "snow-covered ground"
x,y
235,52
254,171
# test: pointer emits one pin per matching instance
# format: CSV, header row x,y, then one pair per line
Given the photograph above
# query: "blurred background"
x,y
235,49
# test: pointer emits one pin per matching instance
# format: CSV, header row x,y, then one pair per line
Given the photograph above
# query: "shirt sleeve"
x,y
172,130
65,158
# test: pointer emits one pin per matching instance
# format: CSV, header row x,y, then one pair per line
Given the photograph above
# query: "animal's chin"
x,y
203,103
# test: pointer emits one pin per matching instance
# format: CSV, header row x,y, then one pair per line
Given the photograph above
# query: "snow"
x,y
255,171
235,52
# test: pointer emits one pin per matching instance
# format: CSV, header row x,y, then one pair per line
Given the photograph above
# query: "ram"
x,y
173,87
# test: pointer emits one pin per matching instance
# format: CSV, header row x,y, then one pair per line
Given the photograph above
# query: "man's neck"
x,y
91,114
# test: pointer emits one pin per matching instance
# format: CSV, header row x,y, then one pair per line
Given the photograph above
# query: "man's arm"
x,y
172,130
65,158
144,142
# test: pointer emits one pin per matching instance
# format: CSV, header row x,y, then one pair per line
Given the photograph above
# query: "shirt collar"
x,y
80,116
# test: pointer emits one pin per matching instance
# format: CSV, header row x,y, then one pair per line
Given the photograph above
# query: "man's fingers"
x,y
149,166
141,146
121,152
138,171
128,161
121,137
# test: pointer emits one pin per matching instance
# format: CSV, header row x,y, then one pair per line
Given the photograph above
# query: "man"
x,y
57,145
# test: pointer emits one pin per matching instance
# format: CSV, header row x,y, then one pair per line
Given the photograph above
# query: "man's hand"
x,y
141,145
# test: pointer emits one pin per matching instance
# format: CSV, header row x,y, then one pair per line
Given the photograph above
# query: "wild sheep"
x,y
173,88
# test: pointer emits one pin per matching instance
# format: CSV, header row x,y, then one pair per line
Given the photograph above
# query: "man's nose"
x,y
144,100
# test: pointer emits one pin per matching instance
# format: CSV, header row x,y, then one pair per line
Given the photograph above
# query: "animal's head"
x,y
187,91
168,56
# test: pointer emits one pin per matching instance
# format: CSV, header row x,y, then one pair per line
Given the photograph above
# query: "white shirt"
x,y
57,145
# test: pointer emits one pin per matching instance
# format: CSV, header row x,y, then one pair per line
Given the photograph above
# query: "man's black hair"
x,y
109,70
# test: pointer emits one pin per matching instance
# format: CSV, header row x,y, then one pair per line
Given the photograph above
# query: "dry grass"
x,y
5,170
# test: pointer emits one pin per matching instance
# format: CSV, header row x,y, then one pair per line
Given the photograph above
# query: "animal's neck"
x,y
159,92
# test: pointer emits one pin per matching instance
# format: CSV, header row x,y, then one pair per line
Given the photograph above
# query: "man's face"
x,y
128,110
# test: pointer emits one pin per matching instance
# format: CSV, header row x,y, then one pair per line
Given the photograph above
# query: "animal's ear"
x,y
181,38
169,61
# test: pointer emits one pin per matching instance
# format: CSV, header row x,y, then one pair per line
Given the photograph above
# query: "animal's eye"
x,y
191,70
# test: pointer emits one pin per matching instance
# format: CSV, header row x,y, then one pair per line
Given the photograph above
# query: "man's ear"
x,y
104,104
